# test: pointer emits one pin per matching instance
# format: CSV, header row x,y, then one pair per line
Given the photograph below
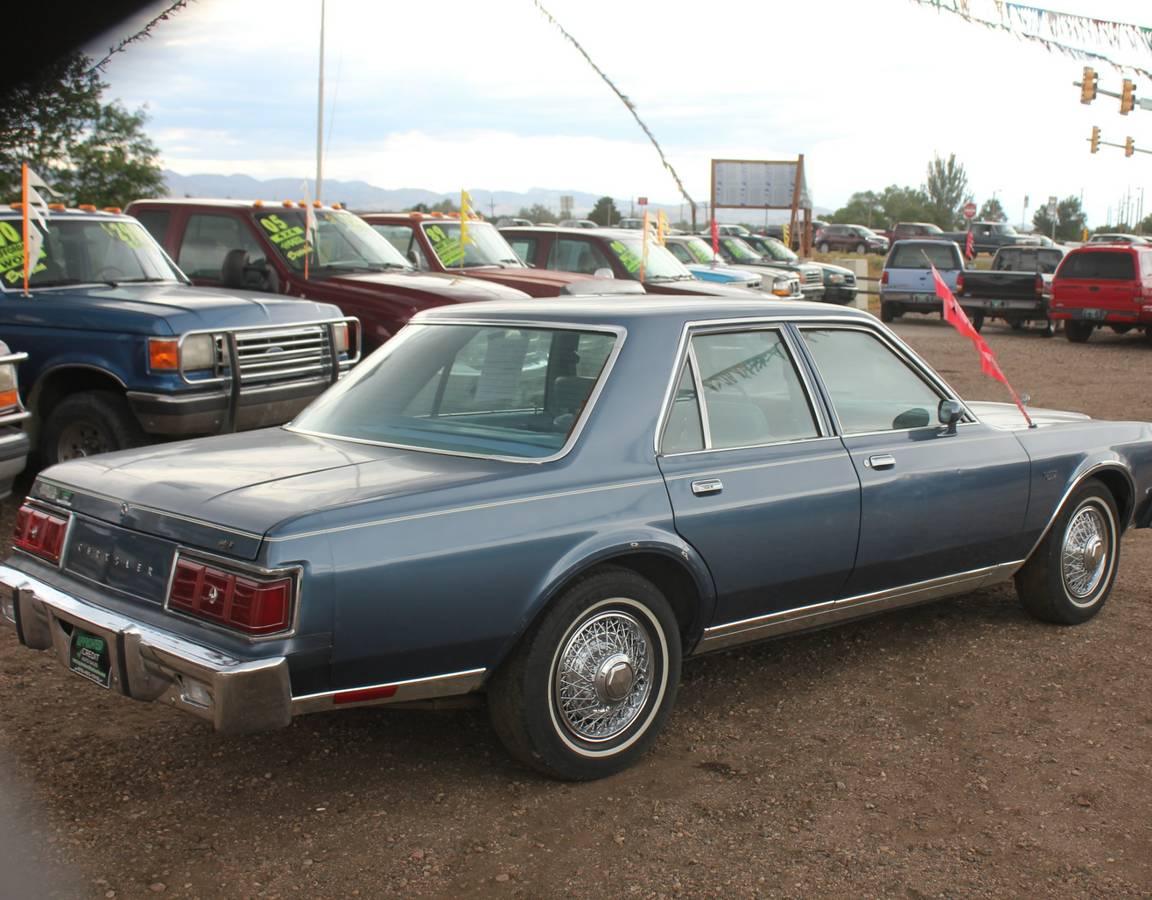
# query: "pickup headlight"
x,y
835,278
9,395
782,287
198,352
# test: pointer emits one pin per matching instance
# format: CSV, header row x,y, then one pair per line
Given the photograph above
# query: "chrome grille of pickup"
x,y
281,353
813,276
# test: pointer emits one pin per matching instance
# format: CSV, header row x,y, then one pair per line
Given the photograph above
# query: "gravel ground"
x,y
957,749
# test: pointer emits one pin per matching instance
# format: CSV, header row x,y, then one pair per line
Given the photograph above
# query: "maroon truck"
x,y
262,247
431,242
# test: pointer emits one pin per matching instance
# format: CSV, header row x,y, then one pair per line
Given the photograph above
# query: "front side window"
x,y
209,238
871,386
471,389
84,251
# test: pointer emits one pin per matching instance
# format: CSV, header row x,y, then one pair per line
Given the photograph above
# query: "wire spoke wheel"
x,y
603,676
1084,554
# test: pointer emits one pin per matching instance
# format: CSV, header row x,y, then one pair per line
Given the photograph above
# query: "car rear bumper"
x,y
1099,314
209,412
1009,305
148,664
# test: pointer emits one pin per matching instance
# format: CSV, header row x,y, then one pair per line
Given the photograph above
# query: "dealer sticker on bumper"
x,y
88,656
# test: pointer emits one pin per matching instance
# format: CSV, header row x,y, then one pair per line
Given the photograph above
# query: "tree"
x,y
1070,219
863,208
44,118
904,204
605,212
947,190
115,163
444,206
537,212
992,211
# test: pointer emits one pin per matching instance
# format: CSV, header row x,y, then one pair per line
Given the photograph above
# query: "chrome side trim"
x,y
805,460
786,621
427,688
494,504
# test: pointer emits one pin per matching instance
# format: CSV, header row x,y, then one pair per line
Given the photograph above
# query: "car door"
x,y
933,503
759,484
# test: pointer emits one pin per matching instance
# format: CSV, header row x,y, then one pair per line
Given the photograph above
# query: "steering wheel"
x,y
109,273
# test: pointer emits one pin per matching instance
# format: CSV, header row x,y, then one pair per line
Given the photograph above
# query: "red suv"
x,y
1103,285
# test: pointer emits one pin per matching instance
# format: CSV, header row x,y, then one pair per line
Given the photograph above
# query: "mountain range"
x,y
364,197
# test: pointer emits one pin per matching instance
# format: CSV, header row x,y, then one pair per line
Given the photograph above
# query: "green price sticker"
x,y
449,250
629,259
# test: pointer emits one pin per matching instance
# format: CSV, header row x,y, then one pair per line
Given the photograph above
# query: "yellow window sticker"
x,y
12,255
629,259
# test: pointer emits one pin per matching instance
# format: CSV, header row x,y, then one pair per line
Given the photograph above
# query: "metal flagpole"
x,y
320,112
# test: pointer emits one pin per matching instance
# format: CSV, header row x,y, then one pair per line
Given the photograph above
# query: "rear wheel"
x,y
823,247
1016,324
1078,332
88,423
1069,576
978,320
861,249
589,687
889,312
1048,329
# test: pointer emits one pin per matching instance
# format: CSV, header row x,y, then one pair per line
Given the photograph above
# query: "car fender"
x,y
1093,466
603,548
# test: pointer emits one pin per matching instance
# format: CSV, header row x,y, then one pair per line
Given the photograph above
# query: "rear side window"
x,y
156,221
912,256
209,238
1105,265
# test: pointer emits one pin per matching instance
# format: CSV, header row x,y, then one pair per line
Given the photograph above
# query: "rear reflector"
x,y
359,696
244,602
40,533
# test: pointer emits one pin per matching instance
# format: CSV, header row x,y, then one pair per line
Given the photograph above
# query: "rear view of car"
x,y
1106,284
906,284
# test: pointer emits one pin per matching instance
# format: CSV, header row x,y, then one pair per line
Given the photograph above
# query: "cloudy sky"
x,y
488,95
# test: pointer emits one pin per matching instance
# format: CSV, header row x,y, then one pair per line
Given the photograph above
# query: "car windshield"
x,y
85,251
700,249
660,266
479,390
485,245
773,249
739,250
345,243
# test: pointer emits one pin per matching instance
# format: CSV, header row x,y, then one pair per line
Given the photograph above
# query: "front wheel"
x,y
88,423
589,687
1078,332
1069,576
822,247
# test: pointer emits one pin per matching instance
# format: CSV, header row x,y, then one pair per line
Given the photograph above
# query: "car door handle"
x,y
707,486
882,461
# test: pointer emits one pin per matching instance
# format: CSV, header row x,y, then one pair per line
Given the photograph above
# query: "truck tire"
x,y
590,685
822,247
1078,332
977,319
861,249
889,312
88,423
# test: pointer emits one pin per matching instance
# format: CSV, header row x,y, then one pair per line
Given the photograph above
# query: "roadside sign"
x,y
642,201
1053,205
969,210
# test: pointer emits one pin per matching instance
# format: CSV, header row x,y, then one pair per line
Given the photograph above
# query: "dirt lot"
x,y
958,749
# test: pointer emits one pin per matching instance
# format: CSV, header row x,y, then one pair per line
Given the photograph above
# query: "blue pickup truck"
x,y
123,350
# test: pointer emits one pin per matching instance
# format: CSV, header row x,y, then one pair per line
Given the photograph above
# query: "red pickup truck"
x,y
431,242
1103,284
258,246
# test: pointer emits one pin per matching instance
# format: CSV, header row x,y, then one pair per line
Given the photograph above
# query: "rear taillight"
x,y
40,533
247,603
960,284
884,277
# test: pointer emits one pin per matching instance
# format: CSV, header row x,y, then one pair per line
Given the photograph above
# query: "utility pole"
x,y
320,111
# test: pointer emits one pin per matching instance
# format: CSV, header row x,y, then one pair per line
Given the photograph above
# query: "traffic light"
x,y
1088,86
1129,147
1094,141
1127,97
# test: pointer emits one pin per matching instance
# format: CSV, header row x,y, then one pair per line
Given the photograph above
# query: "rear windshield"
x,y
912,256
478,390
1027,259
1119,266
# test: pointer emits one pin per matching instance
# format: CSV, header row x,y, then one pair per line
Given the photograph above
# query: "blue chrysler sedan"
x,y
554,503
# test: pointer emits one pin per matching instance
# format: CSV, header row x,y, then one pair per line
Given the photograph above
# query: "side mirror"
x,y
603,273
949,413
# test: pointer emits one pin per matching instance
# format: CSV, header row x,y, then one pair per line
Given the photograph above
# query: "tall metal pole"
x,y
320,111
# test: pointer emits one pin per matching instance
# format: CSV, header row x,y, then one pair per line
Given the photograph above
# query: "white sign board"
x,y
757,184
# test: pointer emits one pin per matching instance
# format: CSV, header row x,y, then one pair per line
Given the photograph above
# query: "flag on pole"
x,y
35,214
715,241
644,245
311,229
465,214
969,246
955,316
786,234
661,227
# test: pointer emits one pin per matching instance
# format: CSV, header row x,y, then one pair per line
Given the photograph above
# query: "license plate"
x,y
996,304
923,298
1092,313
88,656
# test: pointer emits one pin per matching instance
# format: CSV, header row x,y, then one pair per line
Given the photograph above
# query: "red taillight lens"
x,y
884,277
40,533
1039,284
247,603
959,284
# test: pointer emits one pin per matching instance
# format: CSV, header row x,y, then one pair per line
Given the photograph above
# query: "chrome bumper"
x,y
152,665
